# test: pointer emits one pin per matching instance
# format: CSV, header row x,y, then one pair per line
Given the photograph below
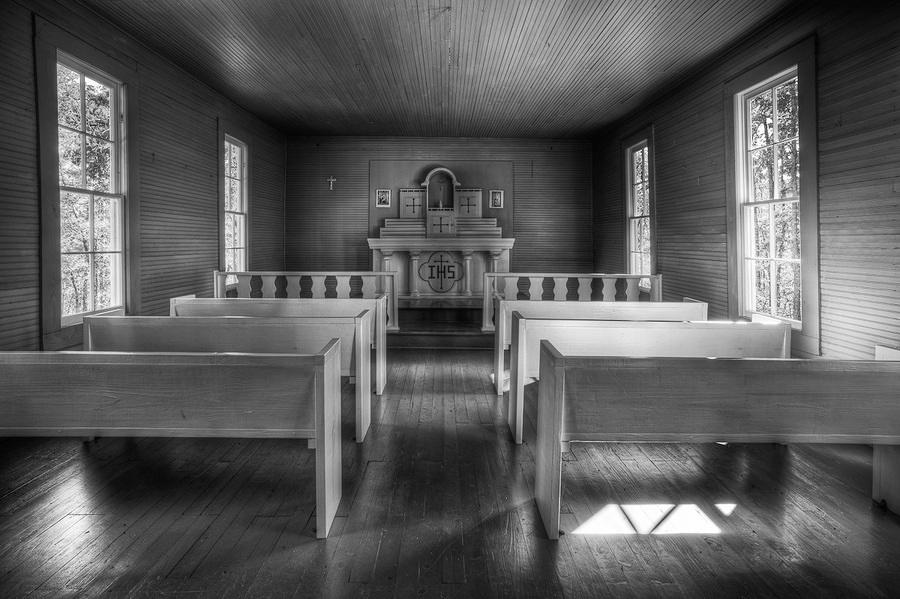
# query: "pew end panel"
x,y
698,400
886,458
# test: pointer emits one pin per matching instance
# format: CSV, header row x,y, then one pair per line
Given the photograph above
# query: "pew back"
x,y
182,395
296,307
630,311
247,335
619,338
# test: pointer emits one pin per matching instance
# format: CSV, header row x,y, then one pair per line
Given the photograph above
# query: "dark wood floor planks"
x,y
437,502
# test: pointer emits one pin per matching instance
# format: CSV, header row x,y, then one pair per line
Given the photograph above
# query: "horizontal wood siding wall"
x,y
328,229
178,125
20,280
858,70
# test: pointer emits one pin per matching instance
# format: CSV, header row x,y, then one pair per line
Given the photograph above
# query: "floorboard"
x,y
438,502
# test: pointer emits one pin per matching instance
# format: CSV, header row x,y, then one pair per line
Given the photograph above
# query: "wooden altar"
x,y
441,272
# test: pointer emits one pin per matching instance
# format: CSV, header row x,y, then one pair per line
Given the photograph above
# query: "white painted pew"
x,y
642,338
663,311
89,394
294,307
247,335
697,400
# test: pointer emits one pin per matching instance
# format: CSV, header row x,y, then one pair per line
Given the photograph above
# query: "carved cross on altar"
x,y
469,205
414,203
331,181
440,223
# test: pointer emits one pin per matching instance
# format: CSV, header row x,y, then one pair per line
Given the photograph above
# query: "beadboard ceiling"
x,y
435,68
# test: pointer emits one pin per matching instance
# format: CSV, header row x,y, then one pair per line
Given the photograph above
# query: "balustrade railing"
x,y
319,284
582,287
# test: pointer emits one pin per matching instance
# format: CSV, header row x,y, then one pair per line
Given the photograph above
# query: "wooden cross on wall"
x,y
331,181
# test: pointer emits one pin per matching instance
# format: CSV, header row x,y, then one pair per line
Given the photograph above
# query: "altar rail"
x,y
306,284
559,287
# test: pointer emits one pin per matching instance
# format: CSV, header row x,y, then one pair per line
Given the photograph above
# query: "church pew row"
x,y
698,400
170,394
297,307
641,338
631,311
311,285
245,335
582,287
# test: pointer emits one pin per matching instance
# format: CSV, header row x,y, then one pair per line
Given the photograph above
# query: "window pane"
x,y
240,231
233,195
70,160
761,231
76,276
98,160
762,281
68,97
74,222
787,230
761,171
638,166
786,99
644,236
639,200
96,100
787,168
787,290
229,231
107,225
107,273
761,120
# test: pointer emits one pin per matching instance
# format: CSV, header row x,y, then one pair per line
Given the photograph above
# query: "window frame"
x,y
245,201
800,58
643,137
117,183
49,43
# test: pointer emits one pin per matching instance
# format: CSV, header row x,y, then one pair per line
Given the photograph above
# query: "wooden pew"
x,y
87,394
697,400
247,335
582,287
642,338
663,311
296,307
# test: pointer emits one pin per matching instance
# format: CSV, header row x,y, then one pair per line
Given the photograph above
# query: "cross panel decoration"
x,y
412,203
441,222
467,202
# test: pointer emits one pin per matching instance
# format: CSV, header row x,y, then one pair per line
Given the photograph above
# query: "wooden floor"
x,y
438,502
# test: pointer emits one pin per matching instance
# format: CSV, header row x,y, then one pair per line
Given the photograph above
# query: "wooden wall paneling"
x,y
19,204
176,160
328,229
858,69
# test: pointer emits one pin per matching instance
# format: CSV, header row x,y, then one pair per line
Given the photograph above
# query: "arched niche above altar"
x,y
440,184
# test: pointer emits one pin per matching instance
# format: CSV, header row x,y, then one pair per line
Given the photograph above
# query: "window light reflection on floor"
x,y
652,518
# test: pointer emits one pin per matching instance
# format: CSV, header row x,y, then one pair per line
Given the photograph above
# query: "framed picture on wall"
x,y
496,200
382,198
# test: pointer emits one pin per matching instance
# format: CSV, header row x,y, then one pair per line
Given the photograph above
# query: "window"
x,y
773,235
770,199
91,199
639,193
235,225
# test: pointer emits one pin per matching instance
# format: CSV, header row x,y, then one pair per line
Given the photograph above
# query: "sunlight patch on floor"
x,y
652,518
